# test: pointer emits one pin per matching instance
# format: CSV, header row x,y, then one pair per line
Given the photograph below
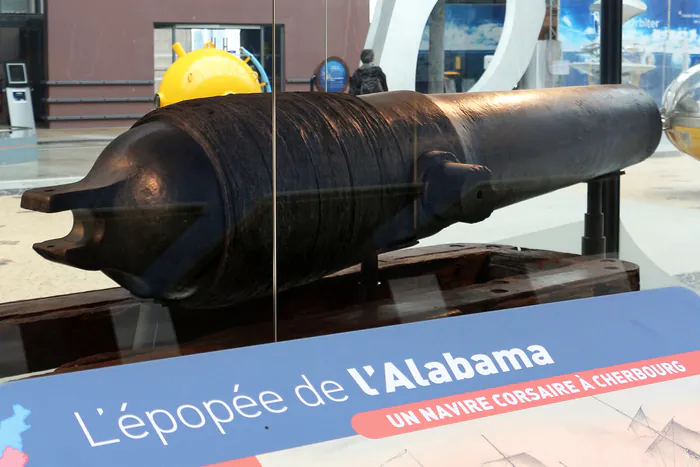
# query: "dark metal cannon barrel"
x,y
179,208
548,139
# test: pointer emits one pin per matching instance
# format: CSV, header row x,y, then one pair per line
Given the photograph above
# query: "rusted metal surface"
x,y
179,209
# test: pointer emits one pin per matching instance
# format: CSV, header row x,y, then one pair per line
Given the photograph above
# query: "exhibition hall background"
x,y
117,42
98,64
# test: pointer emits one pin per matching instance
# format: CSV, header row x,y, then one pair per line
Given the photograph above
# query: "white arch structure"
x,y
397,30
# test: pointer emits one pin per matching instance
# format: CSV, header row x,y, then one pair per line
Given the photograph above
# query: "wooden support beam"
x,y
95,329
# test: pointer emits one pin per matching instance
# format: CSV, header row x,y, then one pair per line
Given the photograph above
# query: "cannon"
x,y
181,208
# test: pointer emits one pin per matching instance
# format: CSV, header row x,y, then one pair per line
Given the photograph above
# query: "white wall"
x,y
372,5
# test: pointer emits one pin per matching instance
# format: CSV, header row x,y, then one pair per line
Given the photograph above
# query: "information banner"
x,y
606,381
333,74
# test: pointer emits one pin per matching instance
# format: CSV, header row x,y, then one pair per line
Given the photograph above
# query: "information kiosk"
x,y
19,96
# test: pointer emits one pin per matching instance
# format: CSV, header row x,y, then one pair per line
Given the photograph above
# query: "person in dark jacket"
x,y
368,78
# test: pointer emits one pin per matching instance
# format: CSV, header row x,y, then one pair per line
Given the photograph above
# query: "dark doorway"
x,y
33,52
259,43
279,53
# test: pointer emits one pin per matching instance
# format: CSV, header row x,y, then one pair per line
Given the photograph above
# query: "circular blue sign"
x,y
337,76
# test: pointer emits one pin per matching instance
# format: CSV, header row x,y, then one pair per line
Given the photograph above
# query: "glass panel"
x,y
366,162
662,44
206,203
93,174
279,54
464,44
659,43
537,41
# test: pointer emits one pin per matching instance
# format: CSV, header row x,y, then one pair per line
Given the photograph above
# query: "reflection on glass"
x,y
180,210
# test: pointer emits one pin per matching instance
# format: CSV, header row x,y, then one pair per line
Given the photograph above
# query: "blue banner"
x,y
217,407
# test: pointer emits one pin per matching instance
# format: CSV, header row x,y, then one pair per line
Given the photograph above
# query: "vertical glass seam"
x,y
274,168
325,29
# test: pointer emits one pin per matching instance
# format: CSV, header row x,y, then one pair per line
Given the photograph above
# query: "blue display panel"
x,y
583,382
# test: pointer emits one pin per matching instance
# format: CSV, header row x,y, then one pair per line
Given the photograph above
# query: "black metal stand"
x,y
593,241
605,194
611,73
611,216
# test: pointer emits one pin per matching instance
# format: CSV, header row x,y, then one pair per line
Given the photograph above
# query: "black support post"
x,y
611,73
604,194
593,242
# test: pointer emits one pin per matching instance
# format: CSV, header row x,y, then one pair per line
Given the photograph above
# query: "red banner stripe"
x,y
424,415
247,462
